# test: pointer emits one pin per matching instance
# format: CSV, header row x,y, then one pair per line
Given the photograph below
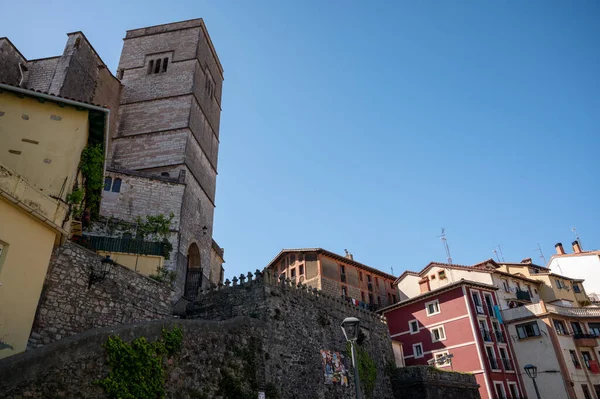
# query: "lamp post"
x,y
531,371
350,329
100,270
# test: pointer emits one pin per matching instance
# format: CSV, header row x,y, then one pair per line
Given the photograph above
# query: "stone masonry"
x,y
164,122
424,382
282,328
67,306
299,321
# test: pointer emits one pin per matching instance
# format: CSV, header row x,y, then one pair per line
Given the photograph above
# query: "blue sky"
x,y
371,125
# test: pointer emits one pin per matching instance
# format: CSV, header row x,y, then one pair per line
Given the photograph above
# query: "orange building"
x,y
336,275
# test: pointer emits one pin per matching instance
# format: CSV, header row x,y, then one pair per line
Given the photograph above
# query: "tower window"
x,y
158,65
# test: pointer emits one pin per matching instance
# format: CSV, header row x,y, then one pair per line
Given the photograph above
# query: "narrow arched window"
x,y
107,183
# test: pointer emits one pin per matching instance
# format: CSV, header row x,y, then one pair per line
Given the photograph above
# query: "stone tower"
x,y
166,143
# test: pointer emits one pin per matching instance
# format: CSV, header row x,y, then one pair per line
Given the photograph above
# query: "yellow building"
x,y
555,289
42,138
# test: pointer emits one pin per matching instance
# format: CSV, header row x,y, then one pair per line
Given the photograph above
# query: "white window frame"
x,y
439,310
516,388
410,326
496,383
433,340
418,344
491,346
442,353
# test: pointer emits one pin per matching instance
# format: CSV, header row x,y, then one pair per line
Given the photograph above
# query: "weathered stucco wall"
x,y
67,306
22,273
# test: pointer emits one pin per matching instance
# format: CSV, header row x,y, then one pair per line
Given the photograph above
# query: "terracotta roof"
x,y
332,255
435,292
58,98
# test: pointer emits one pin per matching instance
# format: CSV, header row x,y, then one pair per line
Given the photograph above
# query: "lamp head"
x,y
350,328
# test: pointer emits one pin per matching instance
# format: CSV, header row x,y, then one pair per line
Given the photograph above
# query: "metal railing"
x,y
500,336
523,295
576,312
129,246
507,364
494,363
579,335
486,335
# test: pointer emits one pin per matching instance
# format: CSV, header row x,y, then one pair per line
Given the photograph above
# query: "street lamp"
x,y
100,270
350,329
531,371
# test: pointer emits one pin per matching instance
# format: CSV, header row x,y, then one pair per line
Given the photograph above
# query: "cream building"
x,y
562,342
42,138
583,265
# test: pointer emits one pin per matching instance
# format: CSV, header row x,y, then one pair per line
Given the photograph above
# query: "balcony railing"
x,y
585,340
507,364
575,312
486,335
129,246
500,336
494,363
523,295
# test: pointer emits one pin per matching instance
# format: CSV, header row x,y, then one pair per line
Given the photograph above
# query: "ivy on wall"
x,y
367,371
91,166
137,367
157,226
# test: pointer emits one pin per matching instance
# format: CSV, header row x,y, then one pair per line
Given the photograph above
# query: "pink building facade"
x,y
458,319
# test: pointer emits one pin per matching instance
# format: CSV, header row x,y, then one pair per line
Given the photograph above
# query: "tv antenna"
x,y
574,230
498,253
445,241
542,257
392,267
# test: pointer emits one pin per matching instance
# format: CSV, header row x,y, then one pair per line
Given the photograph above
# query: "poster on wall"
x,y
335,368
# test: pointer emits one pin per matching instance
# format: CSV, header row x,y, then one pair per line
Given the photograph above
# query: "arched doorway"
x,y
193,277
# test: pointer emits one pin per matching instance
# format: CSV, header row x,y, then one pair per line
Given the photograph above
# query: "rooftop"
x,y
331,255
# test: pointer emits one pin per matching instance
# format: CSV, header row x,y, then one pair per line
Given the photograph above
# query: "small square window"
x,y
438,334
432,307
413,325
441,359
442,274
418,350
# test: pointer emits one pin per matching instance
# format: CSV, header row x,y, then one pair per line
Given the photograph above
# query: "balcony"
x,y
507,364
523,296
573,312
128,246
500,337
486,335
585,340
494,363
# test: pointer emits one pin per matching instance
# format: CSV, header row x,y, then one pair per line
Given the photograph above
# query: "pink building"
x,y
457,319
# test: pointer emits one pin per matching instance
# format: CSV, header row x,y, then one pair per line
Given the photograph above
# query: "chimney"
x,y
527,261
576,247
348,254
424,285
559,248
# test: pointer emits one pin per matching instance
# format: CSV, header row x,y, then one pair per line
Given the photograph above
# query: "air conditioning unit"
x,y
479,309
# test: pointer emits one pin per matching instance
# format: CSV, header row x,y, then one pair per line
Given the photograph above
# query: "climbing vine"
x,y
74,199
164,275
137,367
367,371
158,226
91,166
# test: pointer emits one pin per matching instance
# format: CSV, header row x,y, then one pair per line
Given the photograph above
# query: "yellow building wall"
x,y
28,246
143,264
42,142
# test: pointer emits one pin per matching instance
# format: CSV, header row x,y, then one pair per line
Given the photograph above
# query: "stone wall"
x,y
267,336
423,382
10,58
67,306
299,322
